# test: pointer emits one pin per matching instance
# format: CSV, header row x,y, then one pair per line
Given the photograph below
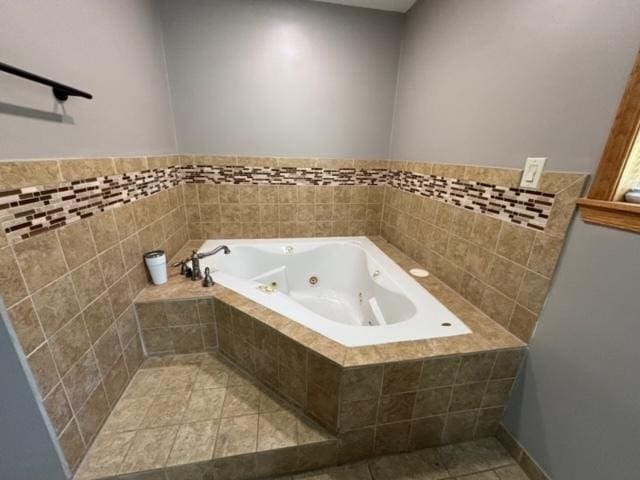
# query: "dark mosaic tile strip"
x,y
29,211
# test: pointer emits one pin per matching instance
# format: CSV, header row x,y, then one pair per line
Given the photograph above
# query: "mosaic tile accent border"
x,y
529,208
28,211
283,175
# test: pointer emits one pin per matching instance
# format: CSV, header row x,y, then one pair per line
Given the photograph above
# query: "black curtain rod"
x,y
60,91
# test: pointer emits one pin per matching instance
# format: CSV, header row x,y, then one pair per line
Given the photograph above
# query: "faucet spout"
x,y
223,248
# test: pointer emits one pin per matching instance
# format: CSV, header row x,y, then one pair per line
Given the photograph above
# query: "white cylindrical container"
x,y
156,262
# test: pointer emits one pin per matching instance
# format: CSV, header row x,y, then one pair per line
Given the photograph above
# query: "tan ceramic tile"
x,y
427,432
41,260
76,243
105,456
145,383
401,377
497,393
347,472
276,430
497,306
545,253
133,354
12,286
125,220
515,242
505,276
361,383
22,174
194,443
467,397
27,326
81,380
151,314
112,264
241,400
485,232
204,405
237,436
92,414
476,456
439,372
149,449
97,317
554,182
72,444
58,408
43,369
392,438
166,410
475,368
522,323
460,426
423,465
507,364
127,415
563,209
104,230
211,374
127,326
56,304
130,164
120,296
88,282
394,408
69,344
434,401
115,380
181,313
513,472
78,169
107,349
533,291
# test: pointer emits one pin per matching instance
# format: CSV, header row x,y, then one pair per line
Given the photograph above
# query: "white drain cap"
x,y
419,272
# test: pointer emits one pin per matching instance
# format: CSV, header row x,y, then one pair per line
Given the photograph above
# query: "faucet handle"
x,y
208,280
184,268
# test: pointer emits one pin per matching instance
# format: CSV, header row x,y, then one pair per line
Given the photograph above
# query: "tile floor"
x,y
186,409
196,417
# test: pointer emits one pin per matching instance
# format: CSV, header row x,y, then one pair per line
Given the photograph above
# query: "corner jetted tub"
x,y
345,288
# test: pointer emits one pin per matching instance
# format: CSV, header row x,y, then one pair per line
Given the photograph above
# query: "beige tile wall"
x,y
265,211
69,294
70,298
502,268
177,326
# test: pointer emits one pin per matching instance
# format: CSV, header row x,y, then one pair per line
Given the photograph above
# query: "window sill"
x,y
622,215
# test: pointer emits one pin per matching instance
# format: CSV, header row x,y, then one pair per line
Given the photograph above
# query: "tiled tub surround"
x,y
94,263
501,267
70,291
378,399
183,326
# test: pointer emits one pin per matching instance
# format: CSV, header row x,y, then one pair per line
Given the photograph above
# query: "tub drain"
x,y
313,280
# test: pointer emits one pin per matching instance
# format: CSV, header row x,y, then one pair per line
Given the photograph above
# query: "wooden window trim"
x,y
601,205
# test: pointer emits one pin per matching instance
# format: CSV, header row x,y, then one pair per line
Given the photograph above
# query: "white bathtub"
x,y
345,288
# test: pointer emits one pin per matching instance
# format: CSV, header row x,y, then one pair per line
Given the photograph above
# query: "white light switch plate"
x,y
533,168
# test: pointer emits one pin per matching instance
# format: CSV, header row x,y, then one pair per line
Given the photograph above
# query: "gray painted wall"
x,y
27,448
113,49
576,407
490,82
282,77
